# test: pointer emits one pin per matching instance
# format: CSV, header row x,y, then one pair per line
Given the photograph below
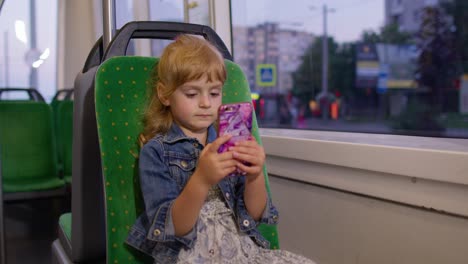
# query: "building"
x,y
407,13
269,44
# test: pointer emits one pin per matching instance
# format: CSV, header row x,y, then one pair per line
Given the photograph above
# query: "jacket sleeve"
x,y
159,191
245,221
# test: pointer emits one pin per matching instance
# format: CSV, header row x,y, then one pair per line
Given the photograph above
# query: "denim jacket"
x,y
166,163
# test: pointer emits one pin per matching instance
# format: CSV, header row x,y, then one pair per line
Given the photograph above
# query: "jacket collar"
x,y
175,133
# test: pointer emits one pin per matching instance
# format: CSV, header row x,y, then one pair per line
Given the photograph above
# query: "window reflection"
x,y
164,10
385,66
28,46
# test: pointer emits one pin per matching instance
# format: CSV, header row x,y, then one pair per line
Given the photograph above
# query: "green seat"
x,y
65,226
65,221
33,94
28,155
86,242
54,105
63,94
121,92
64,132
62,112
29,160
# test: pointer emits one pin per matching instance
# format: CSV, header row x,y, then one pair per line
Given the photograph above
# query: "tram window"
x,y
382,74
128,10
196,12
167,10
15,95
28,45
147,47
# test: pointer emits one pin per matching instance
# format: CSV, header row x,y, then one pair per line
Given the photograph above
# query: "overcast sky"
x,y
345,23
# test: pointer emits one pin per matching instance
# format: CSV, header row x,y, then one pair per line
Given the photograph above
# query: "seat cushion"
x,y
32,185
28,152
64,134
67,178
65,224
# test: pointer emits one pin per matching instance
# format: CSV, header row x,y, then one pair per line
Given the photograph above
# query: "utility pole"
x,y
324,92
325,52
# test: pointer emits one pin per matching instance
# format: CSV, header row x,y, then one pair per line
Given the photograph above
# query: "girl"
x,y
193,212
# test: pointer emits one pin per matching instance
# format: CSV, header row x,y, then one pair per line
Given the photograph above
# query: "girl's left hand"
x,y
251,152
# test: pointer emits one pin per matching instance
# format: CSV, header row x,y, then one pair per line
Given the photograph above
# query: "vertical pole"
x,y
141,12
324,94
6,65
265,48
212,14
32,14
108,23
311,63
186,11
325,53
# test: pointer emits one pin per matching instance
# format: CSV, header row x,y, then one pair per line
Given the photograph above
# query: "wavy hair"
x,y
186,59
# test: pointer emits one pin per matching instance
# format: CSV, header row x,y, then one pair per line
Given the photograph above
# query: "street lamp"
x,y
325,11
324,92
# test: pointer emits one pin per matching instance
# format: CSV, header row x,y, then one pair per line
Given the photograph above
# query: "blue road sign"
x,y
266,74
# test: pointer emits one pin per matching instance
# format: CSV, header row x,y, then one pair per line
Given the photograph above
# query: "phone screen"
x,y
236,120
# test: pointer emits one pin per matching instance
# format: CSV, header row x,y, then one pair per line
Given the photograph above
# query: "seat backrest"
x,y
64,131
33,94
63,94
88,240
121,94
27,144
88,225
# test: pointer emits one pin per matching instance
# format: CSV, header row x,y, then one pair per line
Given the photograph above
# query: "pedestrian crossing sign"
x,y
266,75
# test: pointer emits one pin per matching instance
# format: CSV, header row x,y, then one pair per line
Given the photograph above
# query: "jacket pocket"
x,y
181,169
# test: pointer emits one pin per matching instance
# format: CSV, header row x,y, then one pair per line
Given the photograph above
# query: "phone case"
x,y
236,120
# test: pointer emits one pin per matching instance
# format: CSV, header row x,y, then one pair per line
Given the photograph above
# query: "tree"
x,y
439,59
370,36
389,34
343,69
438,65
458,10
308,77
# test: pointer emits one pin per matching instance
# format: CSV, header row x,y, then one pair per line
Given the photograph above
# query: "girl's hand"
x,y
213,166
251,152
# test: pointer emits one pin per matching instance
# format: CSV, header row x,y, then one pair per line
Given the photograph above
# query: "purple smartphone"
x,y
236,120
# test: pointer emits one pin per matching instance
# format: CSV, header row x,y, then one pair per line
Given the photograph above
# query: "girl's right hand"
x,y
213,166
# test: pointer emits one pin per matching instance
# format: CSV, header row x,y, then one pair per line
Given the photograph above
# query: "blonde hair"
x,y
186,59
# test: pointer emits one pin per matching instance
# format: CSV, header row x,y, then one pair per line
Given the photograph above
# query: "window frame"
x,y
417,171
423,172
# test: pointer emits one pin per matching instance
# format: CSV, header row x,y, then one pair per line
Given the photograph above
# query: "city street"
x,y
352,126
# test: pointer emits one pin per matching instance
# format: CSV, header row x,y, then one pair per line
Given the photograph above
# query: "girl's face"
x,y
194,106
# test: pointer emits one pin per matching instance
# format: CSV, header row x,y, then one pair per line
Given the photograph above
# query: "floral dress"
x,y
220,241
